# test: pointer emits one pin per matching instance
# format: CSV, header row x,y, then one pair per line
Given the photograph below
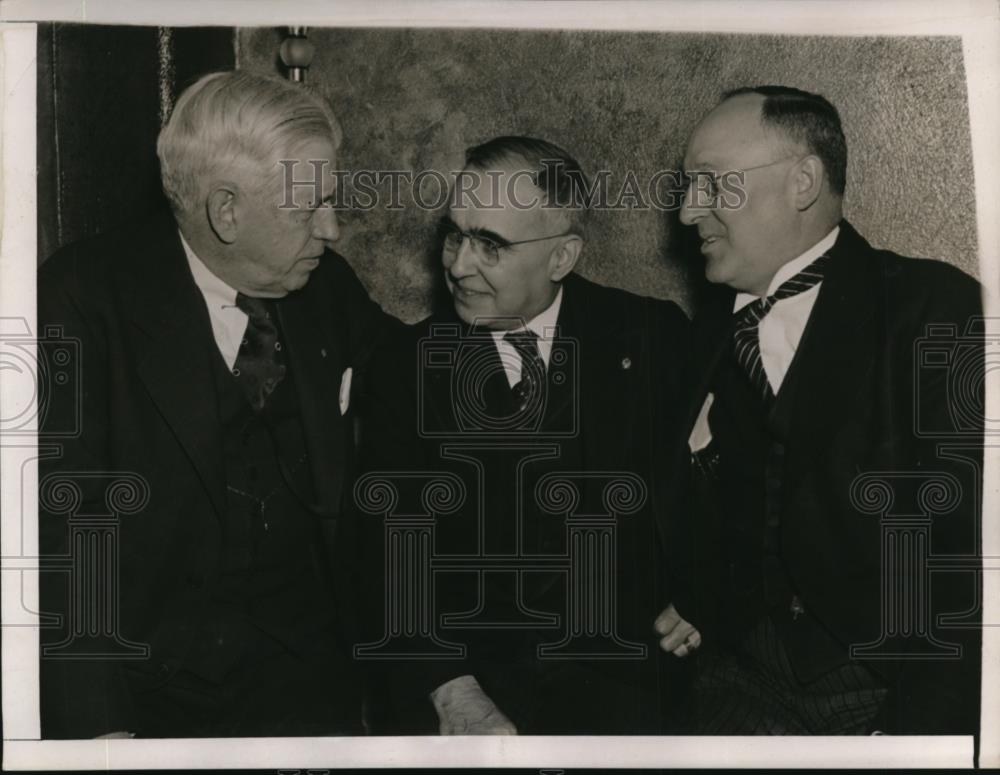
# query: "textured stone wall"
x,y
415,99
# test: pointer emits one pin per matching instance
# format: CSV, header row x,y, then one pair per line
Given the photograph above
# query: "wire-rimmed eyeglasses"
x,y
706,184
486,247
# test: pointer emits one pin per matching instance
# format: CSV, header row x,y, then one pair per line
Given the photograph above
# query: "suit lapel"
x,y
175,352
562,385
317,363
834,346
838,345
176,357
712,335
608,360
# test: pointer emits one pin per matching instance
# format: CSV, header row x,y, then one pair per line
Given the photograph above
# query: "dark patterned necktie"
x,y
746,337
530,391
260,363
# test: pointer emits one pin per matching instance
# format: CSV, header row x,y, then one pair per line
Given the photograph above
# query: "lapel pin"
x,y
626,363
322,351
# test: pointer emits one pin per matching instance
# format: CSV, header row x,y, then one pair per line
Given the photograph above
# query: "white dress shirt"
x,y
229,322
781,329
544,325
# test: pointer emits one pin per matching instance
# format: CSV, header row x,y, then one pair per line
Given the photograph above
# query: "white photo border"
x,y
975,21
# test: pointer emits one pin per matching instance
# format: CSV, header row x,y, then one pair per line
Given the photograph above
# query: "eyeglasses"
x,y
486,249
711,188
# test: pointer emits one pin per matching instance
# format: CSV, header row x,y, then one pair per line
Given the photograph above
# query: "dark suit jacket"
x,y
861,403
613,397
147,404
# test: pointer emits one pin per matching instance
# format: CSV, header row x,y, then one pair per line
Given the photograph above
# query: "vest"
x,y
273,590
753,451
739,428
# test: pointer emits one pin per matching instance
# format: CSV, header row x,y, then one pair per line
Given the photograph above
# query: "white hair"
x,y
229,119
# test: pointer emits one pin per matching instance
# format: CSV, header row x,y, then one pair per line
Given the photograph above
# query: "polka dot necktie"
x,y
746,337
260,363
529,392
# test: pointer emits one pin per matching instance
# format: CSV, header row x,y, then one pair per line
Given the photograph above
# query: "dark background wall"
x,y
414,99
102,94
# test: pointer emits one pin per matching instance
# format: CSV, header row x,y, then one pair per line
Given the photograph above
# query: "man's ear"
x,y
808,182
221,211
563,258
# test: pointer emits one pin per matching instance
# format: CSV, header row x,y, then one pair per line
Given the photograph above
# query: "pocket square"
x,y
701,434
345,390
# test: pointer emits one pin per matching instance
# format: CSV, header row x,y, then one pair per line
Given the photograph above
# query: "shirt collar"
x,y
789,270
543,324
216,291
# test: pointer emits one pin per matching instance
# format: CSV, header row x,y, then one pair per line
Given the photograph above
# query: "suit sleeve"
x,y
81,697
389,445
675,384
368,325
942,696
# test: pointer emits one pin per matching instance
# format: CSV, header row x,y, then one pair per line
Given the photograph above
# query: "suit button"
x,y
193,581
164,668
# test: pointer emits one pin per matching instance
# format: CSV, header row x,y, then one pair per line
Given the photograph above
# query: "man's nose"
x,y
690,215
462,262
325,226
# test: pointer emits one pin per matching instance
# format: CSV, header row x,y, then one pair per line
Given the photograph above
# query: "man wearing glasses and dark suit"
x,y
836,430
548,398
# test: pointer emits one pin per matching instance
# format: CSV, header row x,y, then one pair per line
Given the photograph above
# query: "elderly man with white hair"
x,y
217,348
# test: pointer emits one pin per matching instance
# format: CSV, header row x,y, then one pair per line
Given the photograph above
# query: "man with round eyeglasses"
x,y
530,371
504,261
809,391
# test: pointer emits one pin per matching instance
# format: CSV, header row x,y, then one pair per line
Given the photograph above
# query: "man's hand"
x,y
464,709
679,636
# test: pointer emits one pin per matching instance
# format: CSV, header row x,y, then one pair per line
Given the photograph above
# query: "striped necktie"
x,y
530,391
746,337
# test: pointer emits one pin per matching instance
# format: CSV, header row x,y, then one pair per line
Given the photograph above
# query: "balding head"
x,y
786,203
